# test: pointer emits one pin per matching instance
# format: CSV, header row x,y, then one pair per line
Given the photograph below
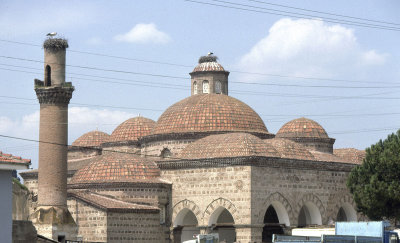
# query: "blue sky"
x,y
296,56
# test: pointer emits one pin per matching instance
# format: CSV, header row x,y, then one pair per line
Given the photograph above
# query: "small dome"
x,y
92,139
210,113
208,64
289,149
228,145
302,128
117,167
132,129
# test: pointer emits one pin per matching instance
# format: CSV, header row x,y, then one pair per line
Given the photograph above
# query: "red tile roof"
x,y
117,167
132,129
352,155
302,128
209,113
108,203
9,158
228,145
92,139
289,149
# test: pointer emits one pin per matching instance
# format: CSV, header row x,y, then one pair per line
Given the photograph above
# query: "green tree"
x,y
375,184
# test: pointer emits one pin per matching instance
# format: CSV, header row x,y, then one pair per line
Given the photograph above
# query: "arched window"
x,y
194,87
218,87
47,76
206,87
166,153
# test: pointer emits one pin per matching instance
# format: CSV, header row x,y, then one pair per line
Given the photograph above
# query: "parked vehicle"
x,y
349,232
208,238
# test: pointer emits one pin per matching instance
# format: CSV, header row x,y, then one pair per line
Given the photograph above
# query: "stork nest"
x,y
55,44
209,58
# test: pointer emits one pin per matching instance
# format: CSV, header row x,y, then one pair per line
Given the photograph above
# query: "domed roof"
x,y
289,149
228,145
302,128
209,113
92,139
132,129
117,167
207,64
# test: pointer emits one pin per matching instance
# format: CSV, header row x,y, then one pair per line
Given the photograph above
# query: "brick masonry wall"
x,y
92,222
53,130
134,227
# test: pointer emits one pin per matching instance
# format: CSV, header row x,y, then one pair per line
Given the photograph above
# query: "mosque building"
x,y
207,165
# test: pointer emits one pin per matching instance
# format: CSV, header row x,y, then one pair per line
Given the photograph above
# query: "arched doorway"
x,y
346,213
185,226
272,224
309,214
222,222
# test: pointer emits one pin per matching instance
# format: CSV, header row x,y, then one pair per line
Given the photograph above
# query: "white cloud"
x,y
143,34
81,120
308,48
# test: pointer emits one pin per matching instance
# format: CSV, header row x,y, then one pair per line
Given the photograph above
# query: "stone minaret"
x,y
209,77
52,217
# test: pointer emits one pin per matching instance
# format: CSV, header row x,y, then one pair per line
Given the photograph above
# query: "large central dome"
x,y
210,113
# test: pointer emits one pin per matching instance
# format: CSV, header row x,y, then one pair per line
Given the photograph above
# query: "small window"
x,y
162,214
166,153
218,87
194,87
47,76
206,87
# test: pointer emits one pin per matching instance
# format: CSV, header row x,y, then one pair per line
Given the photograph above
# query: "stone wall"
x,y
173,145
92,222
82,153
152,194
207,191
134,227
21,202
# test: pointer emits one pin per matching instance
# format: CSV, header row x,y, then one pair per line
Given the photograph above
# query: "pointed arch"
x,y
218,204
281,206
186,204
312,207
347,204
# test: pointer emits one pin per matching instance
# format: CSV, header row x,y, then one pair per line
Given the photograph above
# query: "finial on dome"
x,y
209,58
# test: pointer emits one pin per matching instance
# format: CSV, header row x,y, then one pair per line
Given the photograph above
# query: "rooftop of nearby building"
x,y
11,162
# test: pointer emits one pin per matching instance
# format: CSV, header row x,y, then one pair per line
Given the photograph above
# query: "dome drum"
x,y
319,144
